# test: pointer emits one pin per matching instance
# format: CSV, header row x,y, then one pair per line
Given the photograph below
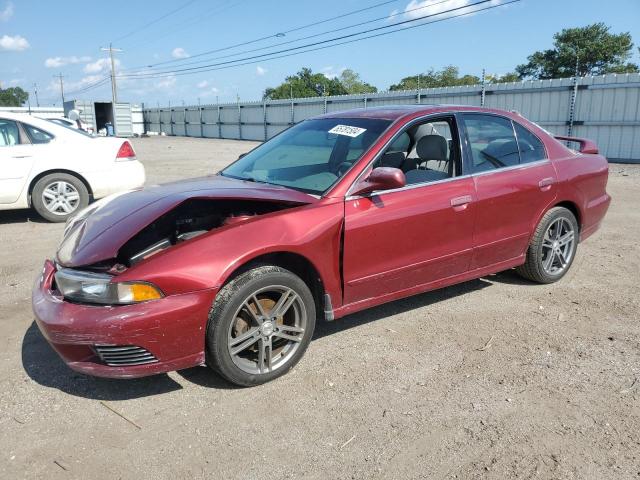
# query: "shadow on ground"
x,y
20,216
44,366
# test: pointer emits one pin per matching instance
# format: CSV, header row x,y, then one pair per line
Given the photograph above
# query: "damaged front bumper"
x,y
124,341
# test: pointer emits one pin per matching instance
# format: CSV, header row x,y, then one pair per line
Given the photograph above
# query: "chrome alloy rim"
x,y
267,329
60,198
558,246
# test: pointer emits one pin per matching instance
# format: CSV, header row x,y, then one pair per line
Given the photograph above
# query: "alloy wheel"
x,y
267,329
558,246
60,197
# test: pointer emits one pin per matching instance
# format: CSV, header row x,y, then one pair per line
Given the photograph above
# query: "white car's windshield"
x,y
310,156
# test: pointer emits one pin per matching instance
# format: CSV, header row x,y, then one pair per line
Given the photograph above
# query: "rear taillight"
x,y
126,152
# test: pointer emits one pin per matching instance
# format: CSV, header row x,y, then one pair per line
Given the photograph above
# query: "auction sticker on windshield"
x,y
347,130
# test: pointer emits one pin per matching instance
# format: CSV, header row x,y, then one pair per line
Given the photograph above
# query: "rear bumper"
x,y
172,329
124,175
594,214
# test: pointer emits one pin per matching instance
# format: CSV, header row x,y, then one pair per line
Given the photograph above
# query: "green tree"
x,y
506,78
13,97
305,83
447,77
598,50
352,83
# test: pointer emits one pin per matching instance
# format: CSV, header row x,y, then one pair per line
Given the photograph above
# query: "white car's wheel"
x,y
58,196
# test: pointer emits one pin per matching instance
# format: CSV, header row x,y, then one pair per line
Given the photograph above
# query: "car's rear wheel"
x,y
260,325
57,196
552,248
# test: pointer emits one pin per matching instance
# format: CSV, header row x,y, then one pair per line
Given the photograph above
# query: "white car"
x,y
58,170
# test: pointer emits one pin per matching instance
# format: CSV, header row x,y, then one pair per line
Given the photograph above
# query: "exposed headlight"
x,y
88,287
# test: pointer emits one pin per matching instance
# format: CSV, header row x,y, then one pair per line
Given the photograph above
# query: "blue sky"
x,y
39,39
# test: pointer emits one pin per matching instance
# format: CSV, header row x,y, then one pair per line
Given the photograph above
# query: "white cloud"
x,y
71,86
202,84
179,52
100,65
13,44
57,62
7,12
330,72
420,8
260,71
166,83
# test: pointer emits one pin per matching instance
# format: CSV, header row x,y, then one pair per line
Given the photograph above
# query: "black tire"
x,y
533,269
73,182
230,301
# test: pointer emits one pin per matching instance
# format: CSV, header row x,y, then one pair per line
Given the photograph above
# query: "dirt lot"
x,y
401,391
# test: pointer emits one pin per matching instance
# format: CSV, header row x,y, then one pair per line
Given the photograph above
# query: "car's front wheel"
x,y
260,325
57,196
552,248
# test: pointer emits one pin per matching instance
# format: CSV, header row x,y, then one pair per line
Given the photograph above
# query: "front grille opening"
x,y
124,355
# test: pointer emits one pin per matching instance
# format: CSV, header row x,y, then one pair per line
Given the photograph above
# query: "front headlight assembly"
x,y
97,288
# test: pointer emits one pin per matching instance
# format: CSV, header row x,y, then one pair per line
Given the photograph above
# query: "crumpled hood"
x,y
114,220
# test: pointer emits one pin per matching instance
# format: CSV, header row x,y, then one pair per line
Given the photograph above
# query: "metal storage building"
x,y
98,114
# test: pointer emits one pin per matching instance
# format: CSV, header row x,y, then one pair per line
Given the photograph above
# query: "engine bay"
x,y
189,220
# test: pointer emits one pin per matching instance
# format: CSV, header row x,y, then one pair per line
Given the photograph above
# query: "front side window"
x,y
492,141
425,152
310,156
531,148
36,135
9,133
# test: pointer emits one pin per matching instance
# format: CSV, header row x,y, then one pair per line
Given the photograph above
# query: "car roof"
x,y
397,112
37,122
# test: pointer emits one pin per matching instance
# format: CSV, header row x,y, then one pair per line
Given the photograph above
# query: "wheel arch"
x,y
43,174
294,262
573,208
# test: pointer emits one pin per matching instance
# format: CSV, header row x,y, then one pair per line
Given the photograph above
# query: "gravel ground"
x,y
493,378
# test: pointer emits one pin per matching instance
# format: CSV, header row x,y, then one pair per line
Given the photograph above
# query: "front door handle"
x,y
22,156
545,183
460,203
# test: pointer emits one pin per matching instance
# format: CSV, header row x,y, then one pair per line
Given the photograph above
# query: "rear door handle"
x,y
546,183
460,203
22,156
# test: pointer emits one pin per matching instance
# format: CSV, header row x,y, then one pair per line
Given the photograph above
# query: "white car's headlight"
x,y
97,288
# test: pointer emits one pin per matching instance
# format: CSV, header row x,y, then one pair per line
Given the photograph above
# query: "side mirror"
x,y
381,178
242,155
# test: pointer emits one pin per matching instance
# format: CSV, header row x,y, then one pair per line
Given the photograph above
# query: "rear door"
x,y
413,236
514,182
16,160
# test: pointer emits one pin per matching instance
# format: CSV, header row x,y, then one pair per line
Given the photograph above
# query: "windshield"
x,y
310,156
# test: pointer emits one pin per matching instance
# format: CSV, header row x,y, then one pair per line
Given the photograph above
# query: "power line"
x,y
278,34
490,7
351,35
302,38
153,22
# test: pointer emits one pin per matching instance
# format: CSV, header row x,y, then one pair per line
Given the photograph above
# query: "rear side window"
x,y
36,135
9,133
492,141
531,148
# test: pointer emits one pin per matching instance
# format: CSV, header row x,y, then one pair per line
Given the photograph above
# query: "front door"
x,y
16,161
418,234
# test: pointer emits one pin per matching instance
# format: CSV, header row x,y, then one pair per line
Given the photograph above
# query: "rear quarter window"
x,y
531,147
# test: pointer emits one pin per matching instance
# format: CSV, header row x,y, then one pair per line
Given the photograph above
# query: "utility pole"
x,y
35,90
114,90
60,77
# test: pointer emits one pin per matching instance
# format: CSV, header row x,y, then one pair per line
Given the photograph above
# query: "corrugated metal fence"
x,y
604,108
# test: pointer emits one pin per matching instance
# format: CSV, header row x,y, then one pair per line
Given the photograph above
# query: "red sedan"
x,y
337,214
